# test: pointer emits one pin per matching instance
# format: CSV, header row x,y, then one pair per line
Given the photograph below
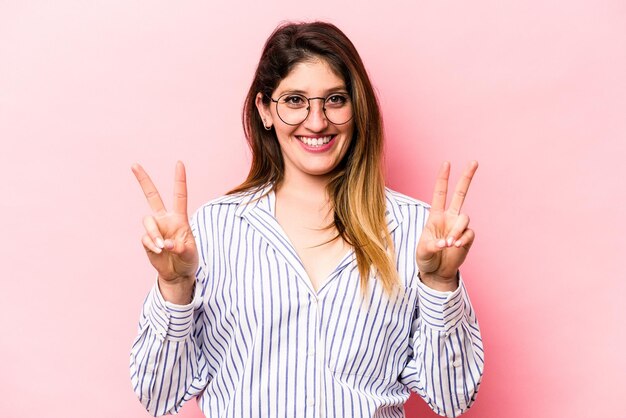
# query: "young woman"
x,y
309,290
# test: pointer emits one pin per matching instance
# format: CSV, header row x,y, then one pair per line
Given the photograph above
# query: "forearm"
x,y
163,358
447,361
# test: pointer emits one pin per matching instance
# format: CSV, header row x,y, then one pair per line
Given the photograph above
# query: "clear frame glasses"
x,y
293,108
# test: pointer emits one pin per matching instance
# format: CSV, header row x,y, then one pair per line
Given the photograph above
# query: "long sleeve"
x,y
164,361
447,360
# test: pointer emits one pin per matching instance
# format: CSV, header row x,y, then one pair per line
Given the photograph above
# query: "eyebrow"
x,y
337,89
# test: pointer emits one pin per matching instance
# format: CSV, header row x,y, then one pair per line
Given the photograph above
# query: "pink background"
x,y
534,90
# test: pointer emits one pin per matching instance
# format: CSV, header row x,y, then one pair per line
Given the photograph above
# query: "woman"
x,y
310,289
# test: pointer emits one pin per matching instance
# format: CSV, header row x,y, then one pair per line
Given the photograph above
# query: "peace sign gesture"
x,y
168,241
446,238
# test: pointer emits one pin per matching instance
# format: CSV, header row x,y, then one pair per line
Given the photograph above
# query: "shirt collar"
x,y
264,199
261,198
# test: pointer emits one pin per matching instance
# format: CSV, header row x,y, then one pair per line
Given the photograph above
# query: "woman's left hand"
x,y
446,238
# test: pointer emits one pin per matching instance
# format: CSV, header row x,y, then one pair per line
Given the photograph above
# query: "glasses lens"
x,y
338,108
293,109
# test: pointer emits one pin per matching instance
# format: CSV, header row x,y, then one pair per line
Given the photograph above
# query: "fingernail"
x,y
157,251
159,243
169,244
457,244
450,241
441,243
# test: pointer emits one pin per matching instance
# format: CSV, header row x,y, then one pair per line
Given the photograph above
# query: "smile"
x,y
315,141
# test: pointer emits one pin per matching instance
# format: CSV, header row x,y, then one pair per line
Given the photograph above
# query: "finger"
x,y
430,248
462,187
441,188
460,225
180,189
149,190
170,245
152,229
466,240
149,245
182,245
175,246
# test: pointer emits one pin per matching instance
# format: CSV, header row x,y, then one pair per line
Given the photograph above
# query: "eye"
x,y
337,100
293,100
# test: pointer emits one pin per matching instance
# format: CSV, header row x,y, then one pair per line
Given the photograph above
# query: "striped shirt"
x,y
259,341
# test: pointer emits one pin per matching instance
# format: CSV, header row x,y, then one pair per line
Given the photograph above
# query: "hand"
x,y
446,238
169,243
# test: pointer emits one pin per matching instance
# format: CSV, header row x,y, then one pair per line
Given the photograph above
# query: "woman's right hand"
x,y
168,241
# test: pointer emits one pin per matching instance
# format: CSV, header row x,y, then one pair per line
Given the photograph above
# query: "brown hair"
x,y
357,189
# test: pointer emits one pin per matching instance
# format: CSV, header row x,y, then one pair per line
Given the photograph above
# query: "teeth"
x,y
315,142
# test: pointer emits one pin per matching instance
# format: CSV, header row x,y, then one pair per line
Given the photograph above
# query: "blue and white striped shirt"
x,y
259,341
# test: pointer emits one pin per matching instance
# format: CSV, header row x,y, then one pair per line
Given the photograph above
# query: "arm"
x,y
446,360
166,358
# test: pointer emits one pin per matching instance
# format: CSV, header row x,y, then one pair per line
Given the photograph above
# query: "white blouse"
x,y
259,341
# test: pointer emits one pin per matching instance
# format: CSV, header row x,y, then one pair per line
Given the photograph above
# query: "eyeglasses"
x,y
293,109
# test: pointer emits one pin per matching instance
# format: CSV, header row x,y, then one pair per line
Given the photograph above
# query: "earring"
x,y
267,128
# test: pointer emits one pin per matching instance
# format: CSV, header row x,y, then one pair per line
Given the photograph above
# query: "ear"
x,y
264,111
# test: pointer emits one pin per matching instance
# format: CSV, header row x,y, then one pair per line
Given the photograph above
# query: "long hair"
x,y
357,188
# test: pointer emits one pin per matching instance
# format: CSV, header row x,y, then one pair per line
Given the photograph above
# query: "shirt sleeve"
x,y
446,360
164,360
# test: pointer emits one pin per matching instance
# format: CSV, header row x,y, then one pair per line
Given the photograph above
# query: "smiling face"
x,y
316,146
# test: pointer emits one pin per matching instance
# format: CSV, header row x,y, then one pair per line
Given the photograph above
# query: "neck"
x,y
305,198
305,187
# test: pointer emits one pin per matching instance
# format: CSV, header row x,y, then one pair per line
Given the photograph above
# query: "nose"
x,y
316,120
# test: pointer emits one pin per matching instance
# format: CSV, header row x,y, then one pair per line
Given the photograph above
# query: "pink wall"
x,y
534,90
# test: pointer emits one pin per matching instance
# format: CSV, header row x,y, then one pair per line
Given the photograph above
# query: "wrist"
x,y
178,291
436,282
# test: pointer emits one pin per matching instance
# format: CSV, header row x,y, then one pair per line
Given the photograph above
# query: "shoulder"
x,y
230,199
405,212
233,204
398,199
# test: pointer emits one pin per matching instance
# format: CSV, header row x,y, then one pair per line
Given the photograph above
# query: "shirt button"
x,y
311,354
311,403
457,363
